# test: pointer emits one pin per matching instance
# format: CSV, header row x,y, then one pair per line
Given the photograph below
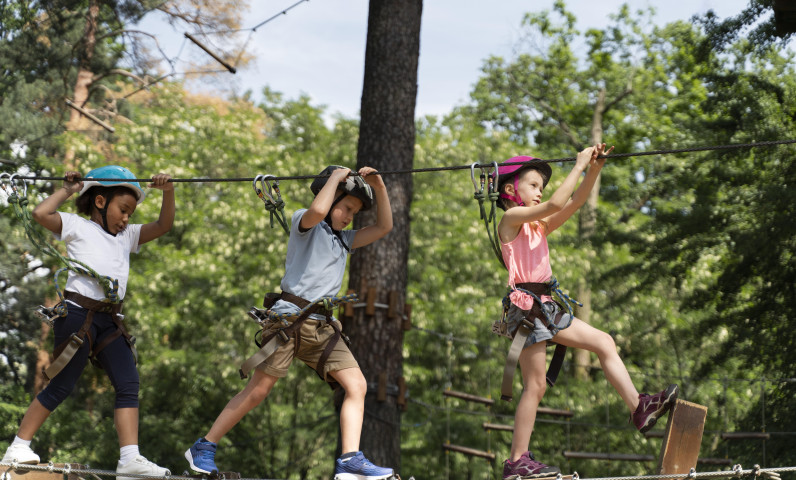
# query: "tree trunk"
x,y
386,142
84,79
587,223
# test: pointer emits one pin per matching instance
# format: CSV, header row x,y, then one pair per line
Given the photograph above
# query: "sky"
x,y
317,47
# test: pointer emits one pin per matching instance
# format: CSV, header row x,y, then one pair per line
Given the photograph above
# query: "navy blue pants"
x,y
116,359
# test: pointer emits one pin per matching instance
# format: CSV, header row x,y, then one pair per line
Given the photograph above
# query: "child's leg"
x,y
582,335
33,420
126,421
255,392
532,366
353,408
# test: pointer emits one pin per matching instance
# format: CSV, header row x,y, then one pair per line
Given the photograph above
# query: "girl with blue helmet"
x,y
92,328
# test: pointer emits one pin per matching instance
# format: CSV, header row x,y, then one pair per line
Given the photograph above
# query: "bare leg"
x,y
252,395
126,420
532,366
352,411
33,420
582,335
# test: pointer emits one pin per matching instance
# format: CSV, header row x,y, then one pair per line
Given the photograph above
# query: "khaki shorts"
x,y
315,334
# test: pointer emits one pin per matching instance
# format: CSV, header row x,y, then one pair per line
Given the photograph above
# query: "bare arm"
x,y
320,206
46,213
163,224
581,195
383,225
515,217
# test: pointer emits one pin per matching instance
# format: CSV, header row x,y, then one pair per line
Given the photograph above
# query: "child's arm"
x,y
320,206
515,217
383,225
581,194
46,213
153,230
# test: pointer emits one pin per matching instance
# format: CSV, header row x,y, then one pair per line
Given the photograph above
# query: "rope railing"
x,y
35,178
737,472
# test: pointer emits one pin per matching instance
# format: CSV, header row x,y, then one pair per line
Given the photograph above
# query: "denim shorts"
x,y
542,332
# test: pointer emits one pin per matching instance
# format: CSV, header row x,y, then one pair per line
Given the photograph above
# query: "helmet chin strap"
x,y
328,221
514,198
104,214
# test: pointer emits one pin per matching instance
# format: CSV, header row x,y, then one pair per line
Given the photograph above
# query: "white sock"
x,y
128,453
19,441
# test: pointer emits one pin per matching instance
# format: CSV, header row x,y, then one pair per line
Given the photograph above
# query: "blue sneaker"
x,y
359,468
202,456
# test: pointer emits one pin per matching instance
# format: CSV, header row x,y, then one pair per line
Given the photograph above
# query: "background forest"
x,y
690,263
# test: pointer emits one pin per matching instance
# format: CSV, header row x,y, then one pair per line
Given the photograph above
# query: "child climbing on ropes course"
x,y
533,318
92,327
317,252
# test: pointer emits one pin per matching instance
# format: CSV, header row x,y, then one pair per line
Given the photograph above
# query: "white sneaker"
x,y
20,454
140,466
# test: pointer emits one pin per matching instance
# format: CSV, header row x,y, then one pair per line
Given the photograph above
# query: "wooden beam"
x,y
682,438
630,457
745,436
469,451
468,397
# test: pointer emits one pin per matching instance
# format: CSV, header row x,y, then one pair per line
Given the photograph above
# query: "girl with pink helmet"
x,y
533,319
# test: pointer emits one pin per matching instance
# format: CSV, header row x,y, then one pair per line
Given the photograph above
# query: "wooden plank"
x,y
629,457
469,397
682,438
745,436
468,451
23,474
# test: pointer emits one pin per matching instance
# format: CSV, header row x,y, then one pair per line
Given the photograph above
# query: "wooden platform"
x,y
682,438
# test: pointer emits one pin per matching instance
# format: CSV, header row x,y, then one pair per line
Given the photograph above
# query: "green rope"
x,y
110,286
490,220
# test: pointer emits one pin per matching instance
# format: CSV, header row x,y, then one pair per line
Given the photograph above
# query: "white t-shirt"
x,y
87,242
315,263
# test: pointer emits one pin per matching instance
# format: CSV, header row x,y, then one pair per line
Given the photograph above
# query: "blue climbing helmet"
x,y
121,178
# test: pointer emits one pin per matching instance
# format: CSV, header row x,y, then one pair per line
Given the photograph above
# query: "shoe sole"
x,y
27,462
354,476
189,457
671,396
535,475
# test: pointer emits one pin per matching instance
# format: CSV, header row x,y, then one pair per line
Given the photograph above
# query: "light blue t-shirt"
x,y
315,263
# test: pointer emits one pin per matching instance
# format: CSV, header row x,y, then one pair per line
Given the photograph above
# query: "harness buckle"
x,y
75,339
47,315
282,335
258,315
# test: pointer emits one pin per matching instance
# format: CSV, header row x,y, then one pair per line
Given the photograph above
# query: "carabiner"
x,y
493,182
267,189
254,186
5,177
14,187
472,177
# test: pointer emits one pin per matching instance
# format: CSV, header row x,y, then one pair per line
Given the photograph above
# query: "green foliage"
x,y
692,263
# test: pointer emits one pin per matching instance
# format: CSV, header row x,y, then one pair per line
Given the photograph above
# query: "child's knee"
x,y
536,388
355,386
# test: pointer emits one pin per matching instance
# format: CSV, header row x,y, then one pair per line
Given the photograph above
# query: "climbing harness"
x,y
272,198
290,327
526,327
487,188
64,352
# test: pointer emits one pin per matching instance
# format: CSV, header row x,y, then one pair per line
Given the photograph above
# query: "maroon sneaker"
x,y
527,467
652,407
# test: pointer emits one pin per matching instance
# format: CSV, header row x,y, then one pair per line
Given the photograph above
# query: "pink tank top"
x,y
528,261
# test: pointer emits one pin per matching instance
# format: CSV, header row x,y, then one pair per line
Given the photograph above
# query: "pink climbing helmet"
x,y
507,172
